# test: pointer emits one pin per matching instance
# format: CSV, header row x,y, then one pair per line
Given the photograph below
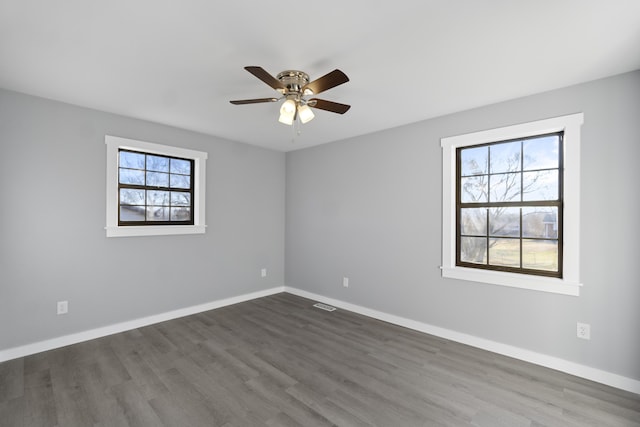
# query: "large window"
x,y
154,189
511,199
509,205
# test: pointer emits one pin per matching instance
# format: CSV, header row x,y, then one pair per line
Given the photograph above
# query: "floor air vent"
x,y
324,306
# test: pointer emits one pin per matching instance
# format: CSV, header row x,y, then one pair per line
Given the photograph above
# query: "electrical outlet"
x,y
63,307
345,282
584,331
263,272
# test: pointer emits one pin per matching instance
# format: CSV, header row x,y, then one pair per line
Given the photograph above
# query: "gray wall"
x,y
52,217
369,208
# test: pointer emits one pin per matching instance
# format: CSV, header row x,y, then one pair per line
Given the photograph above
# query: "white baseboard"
x,y
50,344
587,372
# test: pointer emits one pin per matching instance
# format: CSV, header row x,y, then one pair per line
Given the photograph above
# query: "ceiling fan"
x,y
294,86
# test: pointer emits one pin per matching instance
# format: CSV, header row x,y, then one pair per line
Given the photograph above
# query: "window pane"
x,y
179,198
505,187
131,160
540,254
155,179
131,176
131,213
541,223
157,163
474,161
129,196
505,157
157,198
180,181
474,189
180,166
504,252
504,222
157,214
473,249
180,214
540,185
541,153
473,221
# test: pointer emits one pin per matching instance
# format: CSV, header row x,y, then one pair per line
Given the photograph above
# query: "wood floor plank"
x,y
318,403
283,420
39,403
12,375
190,401
295,410
72,407
141,373
171,413
12,412
277,361
136,409
99,404
266,369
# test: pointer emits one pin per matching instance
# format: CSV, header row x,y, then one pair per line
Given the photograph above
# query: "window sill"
x,y
164,230
536,283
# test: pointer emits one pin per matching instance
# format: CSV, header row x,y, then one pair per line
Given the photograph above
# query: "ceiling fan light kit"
x,y
305,113
287,112
294,87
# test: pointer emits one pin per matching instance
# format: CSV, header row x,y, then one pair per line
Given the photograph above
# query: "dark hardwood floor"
x,y
276,361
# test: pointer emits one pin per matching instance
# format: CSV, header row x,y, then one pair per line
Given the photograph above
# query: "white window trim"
x,y
115,143
569,284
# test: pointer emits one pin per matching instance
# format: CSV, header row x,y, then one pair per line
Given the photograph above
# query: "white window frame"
x,y
114,144
569,284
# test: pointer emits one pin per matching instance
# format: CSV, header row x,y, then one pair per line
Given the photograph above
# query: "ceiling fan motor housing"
x,y
294,81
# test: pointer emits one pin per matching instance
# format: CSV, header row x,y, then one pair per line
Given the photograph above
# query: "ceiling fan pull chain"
x,y
293,131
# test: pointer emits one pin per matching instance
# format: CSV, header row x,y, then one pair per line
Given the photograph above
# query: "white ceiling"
x,y
180,62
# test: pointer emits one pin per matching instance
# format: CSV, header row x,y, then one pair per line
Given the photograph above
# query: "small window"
x,y
154,189
509,205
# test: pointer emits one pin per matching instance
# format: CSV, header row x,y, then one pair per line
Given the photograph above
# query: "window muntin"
x,y
509,205
154,189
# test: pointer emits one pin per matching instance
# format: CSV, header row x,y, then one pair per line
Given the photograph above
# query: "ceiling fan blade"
x,y
334,107
260,73
328,81
253,101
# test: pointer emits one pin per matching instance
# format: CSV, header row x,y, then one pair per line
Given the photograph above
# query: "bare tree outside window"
x,y
509,202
